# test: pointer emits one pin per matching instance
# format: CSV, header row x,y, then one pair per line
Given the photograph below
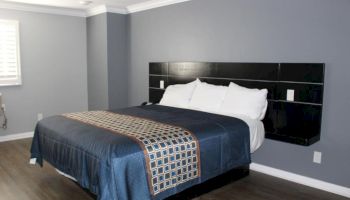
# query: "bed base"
x,y
203,188
212,184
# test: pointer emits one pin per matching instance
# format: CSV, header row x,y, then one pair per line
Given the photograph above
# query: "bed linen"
x,y
256,131
112,163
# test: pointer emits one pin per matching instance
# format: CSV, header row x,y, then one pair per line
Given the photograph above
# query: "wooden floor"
x,y
21,181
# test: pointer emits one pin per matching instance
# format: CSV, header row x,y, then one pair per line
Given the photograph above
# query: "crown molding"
x,y
96,10
43,9
92,11
117,10
152,4
103,9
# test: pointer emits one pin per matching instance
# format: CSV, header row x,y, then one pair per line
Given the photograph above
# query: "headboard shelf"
x,y
295,82
297,102
154,88
297,121
219,78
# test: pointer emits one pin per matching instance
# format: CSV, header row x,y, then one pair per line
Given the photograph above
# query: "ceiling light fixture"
x,y
85,3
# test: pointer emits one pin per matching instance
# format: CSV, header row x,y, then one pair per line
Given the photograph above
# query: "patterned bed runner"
x,y
171,152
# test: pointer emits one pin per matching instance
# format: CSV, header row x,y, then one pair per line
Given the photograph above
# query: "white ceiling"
x,y
75,8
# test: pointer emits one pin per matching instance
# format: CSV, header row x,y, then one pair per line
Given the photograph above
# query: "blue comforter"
x,y
113,166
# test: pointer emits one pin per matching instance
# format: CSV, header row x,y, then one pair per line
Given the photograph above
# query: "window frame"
x,y
18,81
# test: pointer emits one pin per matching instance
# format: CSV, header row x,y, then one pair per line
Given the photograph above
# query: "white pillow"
x,y
244,101
179,95
207,97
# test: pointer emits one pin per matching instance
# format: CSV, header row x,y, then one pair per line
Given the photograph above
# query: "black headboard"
x,y
297,121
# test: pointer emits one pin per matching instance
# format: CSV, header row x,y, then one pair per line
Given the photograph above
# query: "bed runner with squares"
x,y
171,152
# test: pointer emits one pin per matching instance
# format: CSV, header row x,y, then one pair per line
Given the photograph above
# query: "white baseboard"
x,y
311,182
17,136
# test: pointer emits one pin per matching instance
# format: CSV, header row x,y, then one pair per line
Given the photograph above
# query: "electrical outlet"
x,y
40,116
290,95
161,84
317,157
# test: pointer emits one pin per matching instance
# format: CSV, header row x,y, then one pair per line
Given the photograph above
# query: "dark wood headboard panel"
x,y
297,121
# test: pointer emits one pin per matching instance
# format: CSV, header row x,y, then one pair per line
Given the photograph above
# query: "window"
x,y
10,67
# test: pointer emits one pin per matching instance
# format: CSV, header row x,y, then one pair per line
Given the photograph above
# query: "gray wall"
x,y
117,60
107,61
97,63
258,31
53,60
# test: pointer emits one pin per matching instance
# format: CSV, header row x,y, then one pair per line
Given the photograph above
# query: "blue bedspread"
x,y
114,166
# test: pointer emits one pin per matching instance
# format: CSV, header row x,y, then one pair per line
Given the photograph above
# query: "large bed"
x,y
159,150
130,153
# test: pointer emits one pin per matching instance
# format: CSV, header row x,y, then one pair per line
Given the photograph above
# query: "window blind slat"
x,y
9,53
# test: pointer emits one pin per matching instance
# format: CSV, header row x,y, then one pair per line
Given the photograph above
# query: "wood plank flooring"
x,y
21,181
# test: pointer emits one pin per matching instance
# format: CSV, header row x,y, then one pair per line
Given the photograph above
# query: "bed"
x,y
125,163
157,151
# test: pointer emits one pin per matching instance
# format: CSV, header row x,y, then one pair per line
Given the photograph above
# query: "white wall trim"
x,y
117,10
43,9
311,182
152,4
89,12
96,10
103,9
17,136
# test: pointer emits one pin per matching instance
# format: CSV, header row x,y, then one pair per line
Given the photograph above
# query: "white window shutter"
x,y
10,67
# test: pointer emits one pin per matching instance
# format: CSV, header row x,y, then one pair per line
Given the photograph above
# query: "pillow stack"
x,y
207,97
179,95
244,101
233,100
